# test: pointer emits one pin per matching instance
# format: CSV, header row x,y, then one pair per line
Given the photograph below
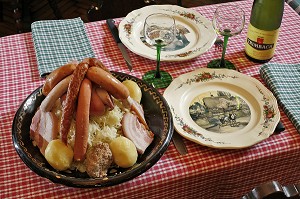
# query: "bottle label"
x,y
260,44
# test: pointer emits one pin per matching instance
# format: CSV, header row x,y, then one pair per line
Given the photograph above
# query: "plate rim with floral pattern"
x,y
201,32
263,108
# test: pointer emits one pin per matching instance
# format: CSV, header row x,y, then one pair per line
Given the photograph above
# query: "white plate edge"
x,y
266,92
135,13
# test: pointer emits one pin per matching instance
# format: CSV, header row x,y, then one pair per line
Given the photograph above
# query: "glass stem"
x,y
158,50
222,62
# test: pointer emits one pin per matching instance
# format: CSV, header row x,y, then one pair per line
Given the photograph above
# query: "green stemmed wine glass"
x,y
228,21
159,31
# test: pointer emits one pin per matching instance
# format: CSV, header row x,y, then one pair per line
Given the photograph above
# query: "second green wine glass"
x,y
227,21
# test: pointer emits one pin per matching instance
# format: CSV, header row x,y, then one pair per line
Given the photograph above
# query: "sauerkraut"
x,y
103,128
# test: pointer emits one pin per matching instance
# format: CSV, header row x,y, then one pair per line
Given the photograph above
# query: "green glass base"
x,y
162,82
216,64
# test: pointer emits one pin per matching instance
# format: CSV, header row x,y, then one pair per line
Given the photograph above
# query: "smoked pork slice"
x,y
134,130
34,126
48,127
43,129
138,110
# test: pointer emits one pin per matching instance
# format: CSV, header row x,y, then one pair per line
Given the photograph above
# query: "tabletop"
x,y
202,173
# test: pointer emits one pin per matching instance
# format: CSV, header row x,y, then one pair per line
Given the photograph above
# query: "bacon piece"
x,y
48,126
137,109
34,126
43,129
69,105
136,132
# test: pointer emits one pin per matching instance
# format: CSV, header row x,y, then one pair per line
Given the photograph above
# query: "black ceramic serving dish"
x,y
158,117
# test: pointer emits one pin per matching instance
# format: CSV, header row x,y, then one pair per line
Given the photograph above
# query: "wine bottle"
x,y
263,29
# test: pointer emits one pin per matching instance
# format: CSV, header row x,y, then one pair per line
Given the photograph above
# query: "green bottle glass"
x,y
263,29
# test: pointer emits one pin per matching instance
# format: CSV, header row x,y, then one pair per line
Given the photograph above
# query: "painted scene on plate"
x,y
220,112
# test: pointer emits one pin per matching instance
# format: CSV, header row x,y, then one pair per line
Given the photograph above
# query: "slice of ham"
x,y
134,130
137,109
43,129
34,132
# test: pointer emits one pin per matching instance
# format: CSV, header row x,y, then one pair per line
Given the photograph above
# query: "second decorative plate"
x,y
222,108
195,33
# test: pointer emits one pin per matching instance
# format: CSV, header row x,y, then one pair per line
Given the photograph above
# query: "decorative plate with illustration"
x,y
222,108
195,34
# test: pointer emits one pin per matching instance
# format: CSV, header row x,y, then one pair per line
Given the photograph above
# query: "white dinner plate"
x,y
196,33
222,108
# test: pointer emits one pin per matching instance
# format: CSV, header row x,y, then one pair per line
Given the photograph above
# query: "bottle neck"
x,y
267,14
269,1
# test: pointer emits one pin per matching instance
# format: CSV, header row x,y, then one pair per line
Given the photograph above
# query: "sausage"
x,y
63,99
108,82
96,107
69,104
57,75
55,94
105,97
95,62
82,120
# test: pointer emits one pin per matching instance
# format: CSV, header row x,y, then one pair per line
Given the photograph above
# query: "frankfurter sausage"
x,y
63,99
57,75
105,98
95,62
108,82
55,94
82,120
96,107
69,104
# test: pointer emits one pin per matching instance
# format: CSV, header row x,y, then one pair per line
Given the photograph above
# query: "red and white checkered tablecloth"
x,y
202,173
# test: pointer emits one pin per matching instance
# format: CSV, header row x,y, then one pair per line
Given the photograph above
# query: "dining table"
x,y
203,172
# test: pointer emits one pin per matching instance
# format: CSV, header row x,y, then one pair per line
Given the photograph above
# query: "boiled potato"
x,y
134,90
123,151
59,155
